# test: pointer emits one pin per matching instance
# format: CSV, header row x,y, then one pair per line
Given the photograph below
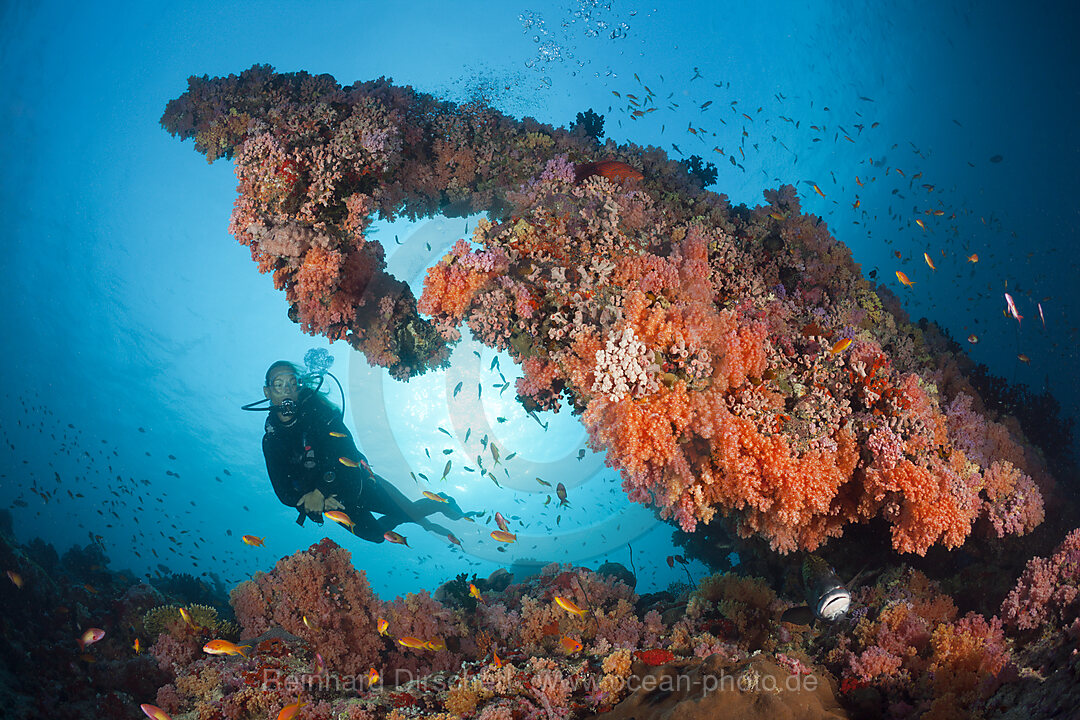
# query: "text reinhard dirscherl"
x,y
748,680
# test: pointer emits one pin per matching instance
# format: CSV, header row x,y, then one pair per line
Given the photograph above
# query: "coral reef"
x,y
43,670
728,360
906,648
516,654
736,368
717,647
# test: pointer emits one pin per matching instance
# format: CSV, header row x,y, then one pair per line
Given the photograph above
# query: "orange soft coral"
x,y
924,506
449,288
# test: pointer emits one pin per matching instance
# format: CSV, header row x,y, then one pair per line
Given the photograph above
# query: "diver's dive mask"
x,y
318,362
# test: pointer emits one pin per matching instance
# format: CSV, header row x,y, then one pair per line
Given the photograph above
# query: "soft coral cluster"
x,y
708,397
700,343
319,596
909,642
421,616
1048,592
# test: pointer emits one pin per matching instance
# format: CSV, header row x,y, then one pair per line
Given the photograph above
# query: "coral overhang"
x,y
704,345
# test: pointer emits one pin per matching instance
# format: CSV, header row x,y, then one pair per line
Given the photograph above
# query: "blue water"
x,y
136,326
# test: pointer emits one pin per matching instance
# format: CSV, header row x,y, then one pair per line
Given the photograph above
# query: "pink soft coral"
x,y
322,585
421,616
1049,589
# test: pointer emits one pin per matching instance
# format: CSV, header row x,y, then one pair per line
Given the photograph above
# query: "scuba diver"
x,y
315,467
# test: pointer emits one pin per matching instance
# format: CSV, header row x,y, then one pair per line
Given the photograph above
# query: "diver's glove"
x,y
312,504
331,503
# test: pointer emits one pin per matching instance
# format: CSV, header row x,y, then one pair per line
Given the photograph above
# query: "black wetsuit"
x,y
303,455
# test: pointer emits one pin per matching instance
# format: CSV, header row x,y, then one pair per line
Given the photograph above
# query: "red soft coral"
x,y
655,656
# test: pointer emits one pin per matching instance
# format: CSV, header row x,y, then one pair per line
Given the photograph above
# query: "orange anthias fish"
x,y
568,605
435,644
495,659
1024,359
224,647
840,346
187,617
452,538
372,677
570,644
348,462
611,169
253,541
501,522
973,339
336,434
340,518
381,626
289,711
136,646
154,712
475,592
903,278
89,637
15,578
818,190
926,257
394,537
503,536
920,223
432,496
973,258
411,642
560,490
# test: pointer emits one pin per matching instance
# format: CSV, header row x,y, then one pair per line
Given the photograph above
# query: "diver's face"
x,y
283,386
